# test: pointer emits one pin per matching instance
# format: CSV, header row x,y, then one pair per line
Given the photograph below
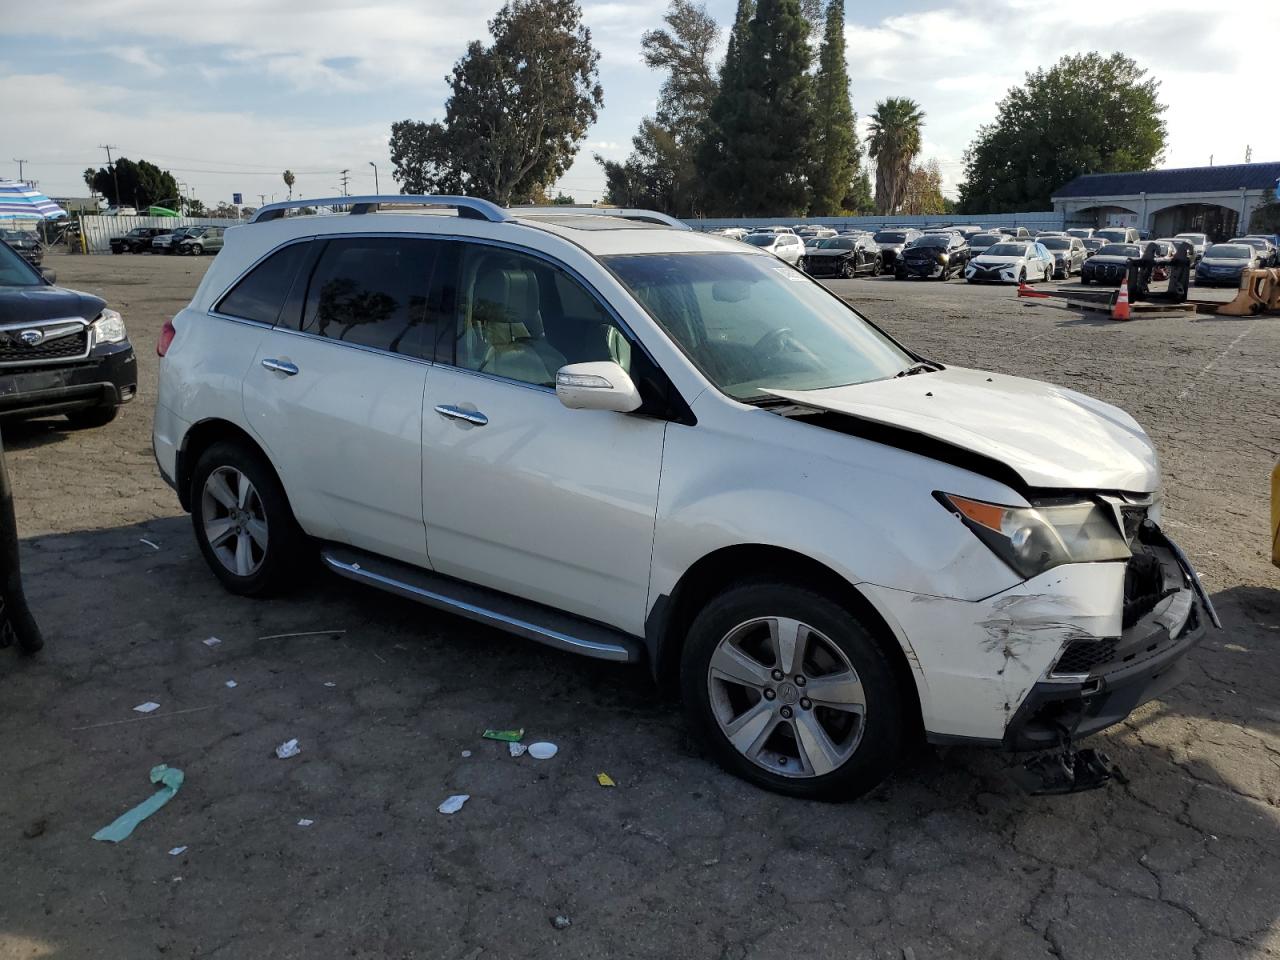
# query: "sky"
x,y
227,95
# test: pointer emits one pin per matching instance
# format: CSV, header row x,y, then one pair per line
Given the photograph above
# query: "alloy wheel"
x,y
786,697
235,521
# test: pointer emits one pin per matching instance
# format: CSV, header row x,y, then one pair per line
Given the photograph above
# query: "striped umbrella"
x,y
18,200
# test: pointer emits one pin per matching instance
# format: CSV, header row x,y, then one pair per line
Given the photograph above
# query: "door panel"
x,y
345,435
546,503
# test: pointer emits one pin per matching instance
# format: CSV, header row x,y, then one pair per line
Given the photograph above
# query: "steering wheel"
x,y
772,342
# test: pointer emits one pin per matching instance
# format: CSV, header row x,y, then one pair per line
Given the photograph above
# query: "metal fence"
x,y
98,231
1037,220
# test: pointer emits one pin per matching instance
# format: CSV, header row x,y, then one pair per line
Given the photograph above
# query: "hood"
x,y
1050,436
32,304
990,260
828,252
1098,258
928,253
891,246
1233,262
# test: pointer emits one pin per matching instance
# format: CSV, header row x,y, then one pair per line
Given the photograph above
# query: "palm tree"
x,y
289,180
894,143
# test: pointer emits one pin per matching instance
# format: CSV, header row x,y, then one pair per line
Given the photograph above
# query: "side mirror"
x,y
599,385
49,276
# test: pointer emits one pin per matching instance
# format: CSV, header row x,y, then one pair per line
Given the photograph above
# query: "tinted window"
x,y
1007,250
372,291
519,317
1057,243
261,293
890,236
762,239
837,243
1222,251
15,272
985,240
1119,250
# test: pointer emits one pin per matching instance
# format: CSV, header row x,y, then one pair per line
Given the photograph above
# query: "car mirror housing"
x,y
598,385
49,277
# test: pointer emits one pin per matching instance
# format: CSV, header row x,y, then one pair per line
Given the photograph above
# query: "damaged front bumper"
x,y
1051,658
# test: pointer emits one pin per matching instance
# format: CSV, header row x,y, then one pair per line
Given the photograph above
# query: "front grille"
x,y
1081,656
13,350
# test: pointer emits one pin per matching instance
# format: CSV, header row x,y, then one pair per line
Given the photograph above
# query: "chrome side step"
x,y
499,610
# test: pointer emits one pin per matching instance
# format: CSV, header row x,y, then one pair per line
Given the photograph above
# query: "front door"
x,y
520,493
335,394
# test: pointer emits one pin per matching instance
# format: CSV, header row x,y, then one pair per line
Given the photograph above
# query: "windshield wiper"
x,y
924,366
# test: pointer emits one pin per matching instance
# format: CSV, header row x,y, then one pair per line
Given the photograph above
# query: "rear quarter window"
x,y
260,294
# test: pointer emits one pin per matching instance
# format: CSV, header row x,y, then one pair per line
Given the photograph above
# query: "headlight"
x,y
109,327
1032,540
942,258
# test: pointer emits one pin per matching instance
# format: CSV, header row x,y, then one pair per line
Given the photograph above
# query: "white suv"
x,y
640,443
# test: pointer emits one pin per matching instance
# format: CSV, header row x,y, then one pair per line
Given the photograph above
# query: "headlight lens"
x,y
1032,540
109,327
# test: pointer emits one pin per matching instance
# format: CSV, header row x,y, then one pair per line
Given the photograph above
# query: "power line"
x,y
346,178
112,167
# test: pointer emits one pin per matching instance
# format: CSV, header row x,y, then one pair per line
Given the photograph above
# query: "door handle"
x,y
473,417
281,366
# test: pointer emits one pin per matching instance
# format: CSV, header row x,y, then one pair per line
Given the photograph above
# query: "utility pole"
x,y
20,163
112,167
262,199
346,178
1248,158
375,177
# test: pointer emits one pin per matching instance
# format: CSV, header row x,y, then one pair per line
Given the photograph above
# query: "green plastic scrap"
x,y
508,736
171,778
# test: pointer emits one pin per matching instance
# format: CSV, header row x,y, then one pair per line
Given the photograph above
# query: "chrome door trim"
x,y
280,366
473,417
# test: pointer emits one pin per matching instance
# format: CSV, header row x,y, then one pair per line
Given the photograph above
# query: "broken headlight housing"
x,y
1034,539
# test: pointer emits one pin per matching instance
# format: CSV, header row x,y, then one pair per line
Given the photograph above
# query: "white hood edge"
x,y
1050,436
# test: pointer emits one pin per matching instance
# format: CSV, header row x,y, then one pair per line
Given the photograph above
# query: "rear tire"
x,y
832,750
248,534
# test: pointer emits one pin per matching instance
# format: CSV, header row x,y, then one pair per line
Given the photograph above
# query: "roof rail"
x,y
642,216
471,208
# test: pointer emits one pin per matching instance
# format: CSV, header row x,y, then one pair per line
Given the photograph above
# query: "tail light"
x,y
167,333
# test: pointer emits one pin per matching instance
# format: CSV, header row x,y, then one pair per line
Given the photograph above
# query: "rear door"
x,y
335,392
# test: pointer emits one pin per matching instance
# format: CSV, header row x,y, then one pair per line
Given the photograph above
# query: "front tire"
x,y
243,522
788,690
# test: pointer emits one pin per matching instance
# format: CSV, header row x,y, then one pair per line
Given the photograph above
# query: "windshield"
x,y
1057,243
930,240
751,325
984,240
1119,236
1256,242
890,236
1006,250
1119,250
1193,237
1227,251
837,243
762,239
14,271
1082,233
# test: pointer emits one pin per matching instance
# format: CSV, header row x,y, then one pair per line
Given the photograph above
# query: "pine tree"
x,y
757,162
833,150
719,184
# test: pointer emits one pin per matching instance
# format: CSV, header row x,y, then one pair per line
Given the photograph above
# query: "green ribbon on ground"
x,y
171,778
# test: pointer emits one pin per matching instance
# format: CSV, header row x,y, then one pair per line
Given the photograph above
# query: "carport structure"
x,y
1215,200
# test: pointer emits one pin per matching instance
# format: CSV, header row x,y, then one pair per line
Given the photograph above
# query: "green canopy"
x,y
162,212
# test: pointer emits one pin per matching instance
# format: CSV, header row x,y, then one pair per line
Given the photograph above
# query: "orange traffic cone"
x,y
1120,309
1025,290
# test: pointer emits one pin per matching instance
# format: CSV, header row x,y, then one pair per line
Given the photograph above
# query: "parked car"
x,y
1092,245
168,241
1110,265
61,351
733,233
1016,233
202,240
1199,241
120,212
652,445
936,255
844,257
892,242
1083,233
1011,261
1266,250
1118,234
784,246
1068,254
1223,263
25,243
136,240
980,242
819,233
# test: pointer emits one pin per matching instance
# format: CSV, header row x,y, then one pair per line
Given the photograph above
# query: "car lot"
x,y
948,859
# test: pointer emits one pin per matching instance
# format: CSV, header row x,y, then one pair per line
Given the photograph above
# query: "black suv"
x,y
136,240
26,243
61,351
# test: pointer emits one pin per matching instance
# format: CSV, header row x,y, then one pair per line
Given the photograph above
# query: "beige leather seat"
x,y
503,332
